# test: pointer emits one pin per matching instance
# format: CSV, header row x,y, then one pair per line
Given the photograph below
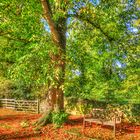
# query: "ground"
x,y
19,126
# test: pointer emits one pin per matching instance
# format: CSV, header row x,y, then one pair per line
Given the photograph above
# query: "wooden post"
x,y
14,105
114,125
38,106
6,102
83,121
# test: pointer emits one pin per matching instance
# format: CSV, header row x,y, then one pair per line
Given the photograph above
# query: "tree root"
x,y
45,119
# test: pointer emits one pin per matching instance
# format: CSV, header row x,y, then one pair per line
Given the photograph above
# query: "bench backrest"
x,y
107,115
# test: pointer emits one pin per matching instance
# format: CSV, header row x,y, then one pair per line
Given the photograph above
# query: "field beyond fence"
x,y
21,105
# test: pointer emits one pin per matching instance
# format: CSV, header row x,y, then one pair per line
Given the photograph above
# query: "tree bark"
x,y
55,95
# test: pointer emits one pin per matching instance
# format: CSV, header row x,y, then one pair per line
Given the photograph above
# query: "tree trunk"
x,y
55,95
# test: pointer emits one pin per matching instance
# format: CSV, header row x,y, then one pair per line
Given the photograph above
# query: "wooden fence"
x,y
21,105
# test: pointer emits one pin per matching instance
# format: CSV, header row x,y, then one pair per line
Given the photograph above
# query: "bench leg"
x,y
84,123
90,124
121,127
114,130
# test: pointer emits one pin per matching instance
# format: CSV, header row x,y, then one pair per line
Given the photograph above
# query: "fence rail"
x,y
21,105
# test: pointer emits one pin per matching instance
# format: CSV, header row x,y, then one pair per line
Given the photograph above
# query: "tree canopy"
x,y
87,48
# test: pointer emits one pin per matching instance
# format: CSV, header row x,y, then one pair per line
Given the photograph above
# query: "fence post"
x,y
14,104
6,102
38,106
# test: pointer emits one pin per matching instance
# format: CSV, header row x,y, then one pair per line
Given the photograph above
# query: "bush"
x,y
131,112
6,88
58,118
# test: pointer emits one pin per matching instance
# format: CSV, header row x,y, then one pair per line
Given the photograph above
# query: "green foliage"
x,y
130,112
78,105
6,88
24,123
48,118
58,118
105,62
55,117
84,108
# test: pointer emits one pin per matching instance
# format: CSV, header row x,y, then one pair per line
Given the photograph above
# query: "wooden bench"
x,y
103,117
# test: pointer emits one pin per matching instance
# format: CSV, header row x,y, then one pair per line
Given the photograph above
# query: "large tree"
x,y
42,29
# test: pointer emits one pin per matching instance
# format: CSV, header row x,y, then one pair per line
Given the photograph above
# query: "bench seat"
x,y
93,120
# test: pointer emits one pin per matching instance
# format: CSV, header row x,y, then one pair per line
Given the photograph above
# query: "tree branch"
x,y
101,30
48,17
16,38
4,33
93,24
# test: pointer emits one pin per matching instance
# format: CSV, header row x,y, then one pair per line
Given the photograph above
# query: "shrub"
x,y
58,118
131,112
